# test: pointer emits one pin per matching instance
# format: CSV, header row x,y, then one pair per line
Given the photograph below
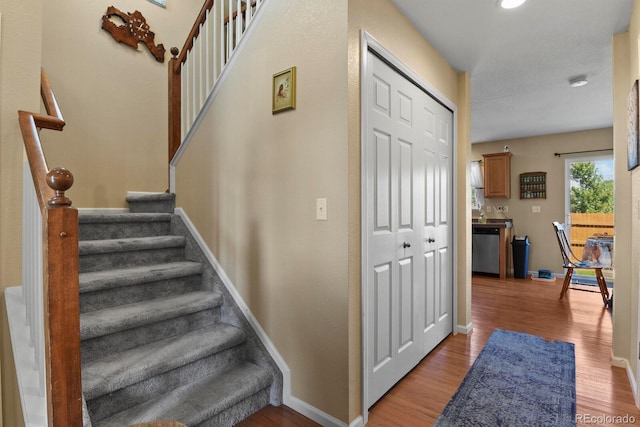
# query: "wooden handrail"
x,y
54,114
37,162
60,252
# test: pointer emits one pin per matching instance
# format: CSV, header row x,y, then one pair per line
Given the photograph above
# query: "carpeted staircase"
x,y
161,338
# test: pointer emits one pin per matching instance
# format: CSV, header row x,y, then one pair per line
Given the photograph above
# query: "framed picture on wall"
x,y
632,128
284,91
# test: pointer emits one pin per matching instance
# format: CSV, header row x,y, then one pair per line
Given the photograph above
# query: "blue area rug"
x,y
517,380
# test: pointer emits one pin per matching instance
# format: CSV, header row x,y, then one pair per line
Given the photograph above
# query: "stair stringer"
x,y
259,348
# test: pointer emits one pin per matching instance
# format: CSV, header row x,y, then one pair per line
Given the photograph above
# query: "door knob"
x,y
430,240
406,245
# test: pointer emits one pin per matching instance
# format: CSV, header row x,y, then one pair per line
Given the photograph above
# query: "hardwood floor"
x,y
511,304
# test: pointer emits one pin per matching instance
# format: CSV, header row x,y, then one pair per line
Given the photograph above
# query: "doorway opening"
x,y
589,213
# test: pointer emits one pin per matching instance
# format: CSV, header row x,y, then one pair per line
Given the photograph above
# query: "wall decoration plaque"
x,y
134,30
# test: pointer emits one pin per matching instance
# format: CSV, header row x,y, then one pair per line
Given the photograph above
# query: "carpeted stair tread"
x,y
151,202
102,322
196,402
134,196
92,247
119,370
103,218
106,279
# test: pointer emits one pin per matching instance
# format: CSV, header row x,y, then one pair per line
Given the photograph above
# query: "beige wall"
x,y
249,182
537,154
113,98
19,89
627,228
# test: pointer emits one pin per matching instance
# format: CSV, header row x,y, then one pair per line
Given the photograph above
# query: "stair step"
x,y
93,247
96,255
110,288
102,322
102,346
101,280
203,400
100,226
151,202
120,217
120,370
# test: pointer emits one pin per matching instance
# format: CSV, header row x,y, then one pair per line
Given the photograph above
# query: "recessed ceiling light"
x,y
510,4
578,81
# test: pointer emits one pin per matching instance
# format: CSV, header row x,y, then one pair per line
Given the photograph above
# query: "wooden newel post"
x,y
174,103
59,180
62,304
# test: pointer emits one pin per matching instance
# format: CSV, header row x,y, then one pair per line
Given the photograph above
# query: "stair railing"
x,y
194,72
50,269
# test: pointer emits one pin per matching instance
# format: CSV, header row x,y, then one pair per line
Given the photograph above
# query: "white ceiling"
x,y
520,60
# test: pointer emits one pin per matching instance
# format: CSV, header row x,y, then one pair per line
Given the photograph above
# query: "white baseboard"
x,y
634,385
314,413
461,329
288,399
620,362
358,422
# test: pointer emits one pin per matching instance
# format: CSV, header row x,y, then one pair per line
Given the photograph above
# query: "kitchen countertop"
x,y
493,222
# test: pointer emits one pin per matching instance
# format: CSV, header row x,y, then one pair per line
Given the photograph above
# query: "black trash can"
x,y
520,247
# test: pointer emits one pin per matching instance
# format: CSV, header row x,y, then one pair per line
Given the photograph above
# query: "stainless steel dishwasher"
x,y
485,257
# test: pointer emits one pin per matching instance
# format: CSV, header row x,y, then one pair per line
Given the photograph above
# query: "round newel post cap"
x,y
59,180
174,52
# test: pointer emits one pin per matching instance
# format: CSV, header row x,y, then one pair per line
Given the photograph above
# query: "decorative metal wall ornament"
x,y
134,30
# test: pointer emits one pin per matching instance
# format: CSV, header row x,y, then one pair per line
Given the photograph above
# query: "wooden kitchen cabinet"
x,y
497,175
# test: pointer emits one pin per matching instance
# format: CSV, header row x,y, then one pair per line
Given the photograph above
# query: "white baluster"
x,y
249,14
209,54
183,101
229,30
238,22
200,75
32,274
222,33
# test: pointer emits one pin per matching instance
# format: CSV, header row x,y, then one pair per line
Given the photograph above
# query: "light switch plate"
x,y
321,209
535,209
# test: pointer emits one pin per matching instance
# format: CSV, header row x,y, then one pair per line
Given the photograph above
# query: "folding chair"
x,y
570,262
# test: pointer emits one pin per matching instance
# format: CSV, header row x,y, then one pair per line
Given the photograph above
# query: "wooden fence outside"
x,y
584,226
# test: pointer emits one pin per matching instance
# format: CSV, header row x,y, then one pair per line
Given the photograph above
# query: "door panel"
x,y
406,310
430,188
382,182
405,172
382,331
443,196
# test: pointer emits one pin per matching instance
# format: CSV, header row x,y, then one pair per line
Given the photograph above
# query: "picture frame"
x,y
284,91
633,149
